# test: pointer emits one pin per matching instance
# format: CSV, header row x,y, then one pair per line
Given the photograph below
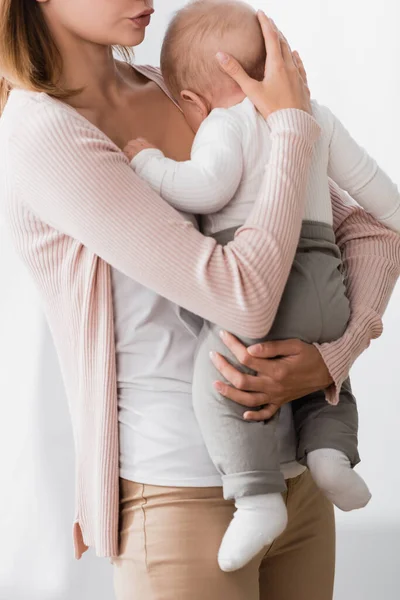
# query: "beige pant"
x,y
170,539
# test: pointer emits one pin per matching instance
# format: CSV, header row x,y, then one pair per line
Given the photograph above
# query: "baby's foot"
x,y
332,472
256,523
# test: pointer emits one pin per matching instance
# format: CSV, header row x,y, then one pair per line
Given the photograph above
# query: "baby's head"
x,y
188,62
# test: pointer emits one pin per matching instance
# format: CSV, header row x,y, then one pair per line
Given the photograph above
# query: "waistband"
x,y
310,230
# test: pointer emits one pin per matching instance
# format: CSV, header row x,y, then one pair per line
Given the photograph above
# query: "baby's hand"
x,y
133,147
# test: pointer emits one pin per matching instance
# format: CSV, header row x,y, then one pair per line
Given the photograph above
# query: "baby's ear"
x,y
195,102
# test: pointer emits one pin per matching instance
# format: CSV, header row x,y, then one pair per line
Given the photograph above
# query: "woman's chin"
x,y
134,37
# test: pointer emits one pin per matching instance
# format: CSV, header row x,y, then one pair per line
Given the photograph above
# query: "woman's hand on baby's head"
x,y
133,147
285,80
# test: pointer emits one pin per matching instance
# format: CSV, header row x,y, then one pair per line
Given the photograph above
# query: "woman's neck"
x,y
95,71
89,67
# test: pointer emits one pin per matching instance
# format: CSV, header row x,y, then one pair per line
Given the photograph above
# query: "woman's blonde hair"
x,y
29,57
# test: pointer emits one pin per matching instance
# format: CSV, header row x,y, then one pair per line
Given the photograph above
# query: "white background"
x,y
350,49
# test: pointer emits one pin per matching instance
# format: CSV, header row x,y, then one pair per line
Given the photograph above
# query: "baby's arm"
x,y
205,183
351,167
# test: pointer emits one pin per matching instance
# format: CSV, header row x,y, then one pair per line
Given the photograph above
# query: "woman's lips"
x,y
142,21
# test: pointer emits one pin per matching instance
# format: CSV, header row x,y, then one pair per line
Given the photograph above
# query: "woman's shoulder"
x,y
19,108
149,70
36,122
24,121
30,118
154,75
25,107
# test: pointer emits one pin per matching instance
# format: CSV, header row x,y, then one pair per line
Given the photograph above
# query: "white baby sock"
x,y
257,521
332,472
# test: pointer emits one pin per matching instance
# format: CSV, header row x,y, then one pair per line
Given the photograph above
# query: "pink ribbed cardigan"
x,y
74,206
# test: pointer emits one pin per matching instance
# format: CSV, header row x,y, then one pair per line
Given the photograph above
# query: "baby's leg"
x,y
314,308
246,455
328,445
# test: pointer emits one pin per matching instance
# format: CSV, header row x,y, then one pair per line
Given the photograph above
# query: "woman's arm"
x,y
75,180
290,369
371,260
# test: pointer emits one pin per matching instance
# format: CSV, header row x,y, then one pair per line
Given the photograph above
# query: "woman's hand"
x,y
287,370
285,80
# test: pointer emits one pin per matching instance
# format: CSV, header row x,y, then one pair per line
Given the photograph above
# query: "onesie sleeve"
x,y
355,171
208,181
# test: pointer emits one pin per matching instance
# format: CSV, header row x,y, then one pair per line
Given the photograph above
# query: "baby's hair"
x,y
198,31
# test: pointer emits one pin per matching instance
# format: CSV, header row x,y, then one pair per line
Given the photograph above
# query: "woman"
x,y
75,208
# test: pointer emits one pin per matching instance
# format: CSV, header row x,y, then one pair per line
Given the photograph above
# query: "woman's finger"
x,y
234,69
269,369
296,62
246,399
275,349
287,54
239,350
261,415
286,51
271,37
300,66
241,381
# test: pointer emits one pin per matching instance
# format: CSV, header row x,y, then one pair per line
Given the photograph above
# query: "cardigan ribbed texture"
x,y
74,206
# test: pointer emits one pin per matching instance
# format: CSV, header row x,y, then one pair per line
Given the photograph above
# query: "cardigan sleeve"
x,y
74,178
371,259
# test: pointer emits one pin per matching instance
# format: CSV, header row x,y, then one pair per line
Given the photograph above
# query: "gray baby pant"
x,y
314,308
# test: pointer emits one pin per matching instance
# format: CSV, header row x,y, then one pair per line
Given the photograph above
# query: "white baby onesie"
x,y
228,158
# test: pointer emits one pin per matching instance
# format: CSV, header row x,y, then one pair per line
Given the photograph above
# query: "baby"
x,y
220,182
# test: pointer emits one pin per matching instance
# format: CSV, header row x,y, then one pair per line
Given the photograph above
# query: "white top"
x,y
160,440
227,164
